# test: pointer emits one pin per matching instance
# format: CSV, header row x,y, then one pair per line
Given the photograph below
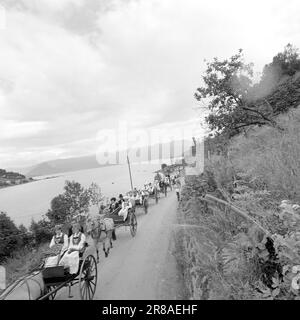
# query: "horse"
x,y
97,227
163,187
168,183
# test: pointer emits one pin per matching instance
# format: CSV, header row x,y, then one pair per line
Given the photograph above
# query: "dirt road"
x,y
142,267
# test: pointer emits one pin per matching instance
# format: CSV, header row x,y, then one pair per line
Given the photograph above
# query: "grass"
x,y
225,256
23,262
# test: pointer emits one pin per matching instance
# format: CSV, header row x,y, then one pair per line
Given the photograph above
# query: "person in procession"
x,y
58,245
76,246
126,205
121,200
178,188
113,204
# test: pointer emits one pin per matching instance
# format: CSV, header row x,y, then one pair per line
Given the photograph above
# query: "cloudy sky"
x,y
71,68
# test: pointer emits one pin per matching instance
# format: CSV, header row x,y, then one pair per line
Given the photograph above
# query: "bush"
x,y
10,238
42,231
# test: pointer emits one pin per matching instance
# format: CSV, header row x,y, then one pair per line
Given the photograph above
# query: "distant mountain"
x,y
90,162
64,165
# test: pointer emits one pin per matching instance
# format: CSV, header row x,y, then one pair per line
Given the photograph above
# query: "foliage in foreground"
x,y
225,256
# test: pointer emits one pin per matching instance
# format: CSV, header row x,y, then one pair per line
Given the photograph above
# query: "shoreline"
x,y
31,181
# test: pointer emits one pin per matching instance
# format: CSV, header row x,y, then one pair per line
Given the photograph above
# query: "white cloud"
x,y
74,67
12,129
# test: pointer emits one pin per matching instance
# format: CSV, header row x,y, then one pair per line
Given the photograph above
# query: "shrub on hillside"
x,y
42,231
271,158
10,238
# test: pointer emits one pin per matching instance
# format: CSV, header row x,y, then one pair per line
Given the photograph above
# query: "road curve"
x,y
142,267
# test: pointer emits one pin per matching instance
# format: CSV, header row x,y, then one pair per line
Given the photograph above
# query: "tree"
x,y
9,236
42,231
60,209
26,236
74,201
78,197
285,63
96,195
283,66
227,92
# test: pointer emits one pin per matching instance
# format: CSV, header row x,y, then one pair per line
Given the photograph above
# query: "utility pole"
x,y
129,173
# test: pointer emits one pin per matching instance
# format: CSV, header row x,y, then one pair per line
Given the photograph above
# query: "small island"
x,y
8,178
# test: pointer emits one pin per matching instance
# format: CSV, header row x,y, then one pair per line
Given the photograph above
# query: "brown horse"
x,y
97,228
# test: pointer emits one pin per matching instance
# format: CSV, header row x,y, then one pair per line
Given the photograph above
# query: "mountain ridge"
x,y
90,161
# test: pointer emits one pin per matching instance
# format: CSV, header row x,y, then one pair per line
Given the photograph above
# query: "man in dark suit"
x,y
113,205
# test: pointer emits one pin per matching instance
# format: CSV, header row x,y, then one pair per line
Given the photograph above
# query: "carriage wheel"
x,y
146,205
88,278
133,225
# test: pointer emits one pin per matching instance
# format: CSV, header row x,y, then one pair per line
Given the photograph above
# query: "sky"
x,y
73,69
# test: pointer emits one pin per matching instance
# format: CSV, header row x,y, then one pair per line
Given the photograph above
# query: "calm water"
x,y
32,200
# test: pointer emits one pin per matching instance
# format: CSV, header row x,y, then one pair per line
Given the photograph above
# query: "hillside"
x,y
63,165
249,249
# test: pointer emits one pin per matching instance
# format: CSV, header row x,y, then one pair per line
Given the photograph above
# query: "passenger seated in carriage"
x,y
131,196
58,245
167,180
138,198
126,205
76,246
121,200
156,185
151,188
144,192
113,205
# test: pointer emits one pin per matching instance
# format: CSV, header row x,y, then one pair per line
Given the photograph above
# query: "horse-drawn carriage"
x,y
56,278
153,194
142,202
163,187
119,222
44,282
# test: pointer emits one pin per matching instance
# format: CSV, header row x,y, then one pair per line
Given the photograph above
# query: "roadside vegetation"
x,y
253,163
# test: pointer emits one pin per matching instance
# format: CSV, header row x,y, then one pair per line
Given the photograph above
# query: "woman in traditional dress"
x,y
76,245
58,245
126,205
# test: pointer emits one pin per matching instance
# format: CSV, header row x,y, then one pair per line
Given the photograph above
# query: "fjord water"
x,y
32,200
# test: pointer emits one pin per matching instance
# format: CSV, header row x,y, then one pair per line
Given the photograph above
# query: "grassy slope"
x,y
220,255
23,262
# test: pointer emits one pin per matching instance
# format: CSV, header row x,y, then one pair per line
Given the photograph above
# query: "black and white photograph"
x,y
149,151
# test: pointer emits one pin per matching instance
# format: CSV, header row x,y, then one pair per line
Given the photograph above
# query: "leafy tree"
x,y
9,236
78,197
42,231
26,236
60,209
226,90
285,63
74,201
283,66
